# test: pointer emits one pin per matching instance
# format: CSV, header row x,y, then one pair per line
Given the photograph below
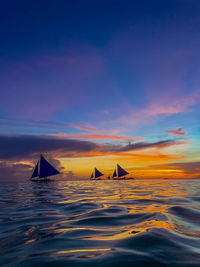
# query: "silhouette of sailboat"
x,y
42,170
96,174
119,174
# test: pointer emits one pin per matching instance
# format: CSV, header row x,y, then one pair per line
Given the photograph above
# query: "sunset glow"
x,y
119,88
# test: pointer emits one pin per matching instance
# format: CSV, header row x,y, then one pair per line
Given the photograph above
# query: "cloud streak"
x,y
186,169
160,108
23,147
99,136
48,124
176,132
18,153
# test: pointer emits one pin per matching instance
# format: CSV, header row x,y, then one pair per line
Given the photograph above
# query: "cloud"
x,y
176,132
160,108
47,124
22,146
84,128
99,136
178,105
27,146
18,154
18,170
160,69
14,171
188,169
145,145
60,129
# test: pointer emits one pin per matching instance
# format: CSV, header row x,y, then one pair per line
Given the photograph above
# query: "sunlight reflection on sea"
x,y
102,223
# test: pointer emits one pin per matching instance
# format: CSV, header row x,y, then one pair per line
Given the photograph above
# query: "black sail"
x,y
46,169
97,173
35,172
114,174
121,171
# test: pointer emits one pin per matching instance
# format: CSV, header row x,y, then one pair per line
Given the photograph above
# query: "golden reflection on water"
x,y
137,229
82,250
104,211
84,253
136,197
88,219
30,241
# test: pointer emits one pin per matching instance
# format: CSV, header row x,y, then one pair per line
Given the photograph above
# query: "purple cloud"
x,y
22,147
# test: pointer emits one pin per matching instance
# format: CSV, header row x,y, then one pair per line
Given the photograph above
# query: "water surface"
x,y
100,223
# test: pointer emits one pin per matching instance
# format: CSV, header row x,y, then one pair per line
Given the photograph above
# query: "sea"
x,y
100,223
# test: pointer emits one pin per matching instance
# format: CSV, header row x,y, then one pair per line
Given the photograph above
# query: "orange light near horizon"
x,y
169,170
150,163
137,168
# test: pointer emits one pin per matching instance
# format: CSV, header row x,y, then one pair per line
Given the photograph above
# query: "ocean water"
x,y
100,223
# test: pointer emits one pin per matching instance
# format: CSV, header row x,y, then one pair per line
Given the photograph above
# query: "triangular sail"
x,y
92,176
121,171
97,173
46,169
35,172
114,173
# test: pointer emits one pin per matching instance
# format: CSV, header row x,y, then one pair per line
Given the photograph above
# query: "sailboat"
x,y
119,174
96,174
42,170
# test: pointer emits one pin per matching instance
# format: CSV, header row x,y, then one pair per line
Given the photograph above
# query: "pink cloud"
x,y
84,128
99,136
160,108
178,105
176,132
160,72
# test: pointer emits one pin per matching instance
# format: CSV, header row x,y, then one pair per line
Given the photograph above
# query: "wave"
x,y
106,223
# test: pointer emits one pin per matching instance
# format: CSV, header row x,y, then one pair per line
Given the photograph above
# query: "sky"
x,y
96,83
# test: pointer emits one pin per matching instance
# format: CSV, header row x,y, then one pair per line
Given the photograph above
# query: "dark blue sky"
x,y
31,27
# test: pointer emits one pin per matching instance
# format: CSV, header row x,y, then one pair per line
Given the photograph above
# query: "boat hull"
x,y
131,178
42,180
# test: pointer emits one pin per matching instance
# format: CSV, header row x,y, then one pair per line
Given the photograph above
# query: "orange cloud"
x,y
178,170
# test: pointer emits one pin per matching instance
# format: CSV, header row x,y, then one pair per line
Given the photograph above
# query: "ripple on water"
x,y
186,214
113,221
105,223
